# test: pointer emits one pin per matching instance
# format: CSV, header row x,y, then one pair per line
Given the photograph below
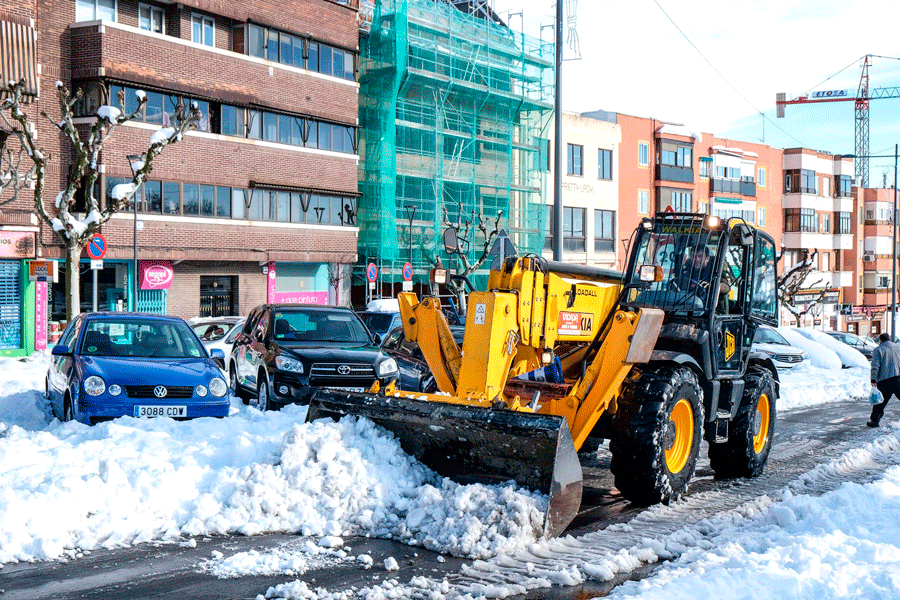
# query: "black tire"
x,y
263,396
750,432
68,410
235,386
656,434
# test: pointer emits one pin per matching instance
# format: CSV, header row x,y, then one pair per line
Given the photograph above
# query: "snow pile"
x,y
384,305
848,355
806,385
819,355
292,559
66,487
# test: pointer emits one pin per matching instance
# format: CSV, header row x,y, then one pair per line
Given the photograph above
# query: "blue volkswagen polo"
x,y
109,365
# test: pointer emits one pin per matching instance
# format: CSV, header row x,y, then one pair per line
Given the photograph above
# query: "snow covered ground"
x,y
66,489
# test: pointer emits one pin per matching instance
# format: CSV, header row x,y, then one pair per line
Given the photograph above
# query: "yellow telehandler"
x,y
653,359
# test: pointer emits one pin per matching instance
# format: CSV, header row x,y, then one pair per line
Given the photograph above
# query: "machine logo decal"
x,y
729,345
574,323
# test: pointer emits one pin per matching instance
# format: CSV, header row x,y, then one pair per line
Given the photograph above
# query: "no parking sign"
x,y
372,274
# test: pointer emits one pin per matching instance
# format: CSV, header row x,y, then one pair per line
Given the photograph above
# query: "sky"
x,y
635,60
67,489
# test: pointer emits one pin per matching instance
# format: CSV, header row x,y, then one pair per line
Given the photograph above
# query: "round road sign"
x,y
407,272
371,272
97,247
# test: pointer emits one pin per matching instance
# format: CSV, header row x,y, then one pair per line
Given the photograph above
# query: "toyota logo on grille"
x,y
160,391
343,370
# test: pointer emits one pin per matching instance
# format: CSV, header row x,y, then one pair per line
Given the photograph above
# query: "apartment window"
x,y
604,164
842,222
682,201
704,168
703,208
800,219
290,49
573,229
575,165
643,154
203,30
761,216
826,187
95,10
677,156
883,282
604,230
801,181
843,186
644,202
826,223
760,177
548,229
151,18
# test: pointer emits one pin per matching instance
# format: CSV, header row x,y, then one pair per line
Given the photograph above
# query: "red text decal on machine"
x,y
573,323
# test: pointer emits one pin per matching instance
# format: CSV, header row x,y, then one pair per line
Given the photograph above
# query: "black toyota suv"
x,y
286,351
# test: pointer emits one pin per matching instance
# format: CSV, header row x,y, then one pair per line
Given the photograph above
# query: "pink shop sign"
x,y
156,274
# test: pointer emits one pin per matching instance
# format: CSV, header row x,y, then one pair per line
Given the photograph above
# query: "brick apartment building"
x,y
258,204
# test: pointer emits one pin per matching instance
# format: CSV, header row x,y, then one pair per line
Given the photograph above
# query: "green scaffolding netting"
x,y
454,115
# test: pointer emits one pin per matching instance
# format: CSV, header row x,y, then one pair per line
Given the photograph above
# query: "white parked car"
x,y
771,343
218,332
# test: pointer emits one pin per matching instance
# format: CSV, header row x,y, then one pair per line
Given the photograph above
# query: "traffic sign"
x,y
97,247
371,272
407,272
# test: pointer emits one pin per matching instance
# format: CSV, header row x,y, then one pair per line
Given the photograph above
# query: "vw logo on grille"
x,y
343,370
160,391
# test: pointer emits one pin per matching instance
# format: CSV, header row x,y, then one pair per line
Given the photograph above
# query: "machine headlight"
x,y
200,391
115,390
288,364
94,385
387,367
218,387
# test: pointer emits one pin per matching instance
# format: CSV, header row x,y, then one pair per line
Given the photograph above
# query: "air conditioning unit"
x,y
868,257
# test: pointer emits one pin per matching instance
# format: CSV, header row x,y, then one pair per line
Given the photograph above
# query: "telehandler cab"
x,y
652,359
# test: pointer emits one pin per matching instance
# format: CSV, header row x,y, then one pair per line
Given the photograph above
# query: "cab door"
x,y
732,334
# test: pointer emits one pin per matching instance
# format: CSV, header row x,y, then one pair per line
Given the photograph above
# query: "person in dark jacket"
x,y
885,374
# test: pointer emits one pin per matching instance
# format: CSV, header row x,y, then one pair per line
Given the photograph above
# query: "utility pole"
x,y
557,132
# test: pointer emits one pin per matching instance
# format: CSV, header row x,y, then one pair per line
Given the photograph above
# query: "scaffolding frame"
x,y
454,112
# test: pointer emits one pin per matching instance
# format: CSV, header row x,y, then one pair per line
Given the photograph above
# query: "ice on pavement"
x,y
66,488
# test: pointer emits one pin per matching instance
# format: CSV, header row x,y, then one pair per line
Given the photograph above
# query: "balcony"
x,y
814,239
163,62
748,186
679,174
725,186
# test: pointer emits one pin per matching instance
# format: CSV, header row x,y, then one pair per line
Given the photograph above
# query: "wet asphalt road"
x,y
803,440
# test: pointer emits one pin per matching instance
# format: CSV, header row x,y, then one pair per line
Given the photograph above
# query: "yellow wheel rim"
x,y
761,424
679,436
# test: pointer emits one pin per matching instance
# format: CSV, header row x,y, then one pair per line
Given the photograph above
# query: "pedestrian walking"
x,y
885,374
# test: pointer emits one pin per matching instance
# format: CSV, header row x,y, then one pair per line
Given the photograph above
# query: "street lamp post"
x,y
136,162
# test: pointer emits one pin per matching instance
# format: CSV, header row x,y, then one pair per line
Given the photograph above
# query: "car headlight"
x,y
218,387
94,385
387,367
288,364
115,390
200,390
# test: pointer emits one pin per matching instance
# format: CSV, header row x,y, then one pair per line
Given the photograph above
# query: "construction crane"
x,y
862,98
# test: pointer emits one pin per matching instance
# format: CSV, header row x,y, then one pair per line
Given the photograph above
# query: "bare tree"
x,y
794,280
466,227
78,195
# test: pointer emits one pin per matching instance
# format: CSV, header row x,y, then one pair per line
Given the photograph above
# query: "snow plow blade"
x,y
471,444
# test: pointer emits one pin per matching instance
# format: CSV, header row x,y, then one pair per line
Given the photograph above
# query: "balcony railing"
x,y
680,174
726,186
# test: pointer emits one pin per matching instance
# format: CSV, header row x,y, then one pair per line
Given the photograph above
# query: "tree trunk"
x,y
73,279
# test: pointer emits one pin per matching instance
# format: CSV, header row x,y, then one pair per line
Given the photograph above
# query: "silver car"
x,y
772,344
218,332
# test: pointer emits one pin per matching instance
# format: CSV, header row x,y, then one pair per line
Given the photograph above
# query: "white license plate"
x,y
349,389
160,411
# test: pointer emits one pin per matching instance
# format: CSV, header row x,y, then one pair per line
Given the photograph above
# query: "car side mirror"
x,y
451,241
377,338
61,350
217,353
